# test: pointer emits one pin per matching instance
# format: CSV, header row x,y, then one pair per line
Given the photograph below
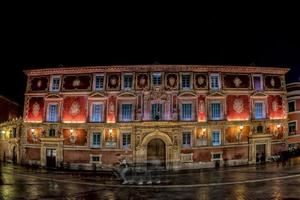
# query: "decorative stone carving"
x,y
172,81
76,83
237,82
201,106
274,106
35,109
238,105
39,84
272,82
74,109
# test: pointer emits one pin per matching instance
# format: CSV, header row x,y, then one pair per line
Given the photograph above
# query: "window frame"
x,y
123,81
294,121
192,111
212,137
121,111
186,145
161,112
48,111
51,83
128,146
292,101
190,81
264,114
211,110
216,153
261,82
94,82
210,81
101,114
95,146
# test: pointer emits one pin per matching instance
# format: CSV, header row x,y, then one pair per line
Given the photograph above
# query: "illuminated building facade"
x,y
174,116
293,95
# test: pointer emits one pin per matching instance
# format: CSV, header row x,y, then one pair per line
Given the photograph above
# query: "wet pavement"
x,y
270,181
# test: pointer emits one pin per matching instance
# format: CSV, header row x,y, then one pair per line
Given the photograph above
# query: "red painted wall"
x,y
35,109
81,137
201,109
33,154
275,108
74,109
111,110
238,107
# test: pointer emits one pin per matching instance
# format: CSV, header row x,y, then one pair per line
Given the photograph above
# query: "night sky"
x,y
30,44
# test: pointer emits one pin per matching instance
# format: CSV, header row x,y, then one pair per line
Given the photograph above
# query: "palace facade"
x,y
174,116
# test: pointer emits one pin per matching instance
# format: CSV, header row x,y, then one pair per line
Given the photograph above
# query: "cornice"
x,y
149,68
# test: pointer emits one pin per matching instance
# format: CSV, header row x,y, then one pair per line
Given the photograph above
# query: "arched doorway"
x,y
156,154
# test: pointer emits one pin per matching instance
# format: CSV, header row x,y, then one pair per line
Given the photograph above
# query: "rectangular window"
x,y
126,140
127,81
55,83
292,106
95,158
126,112
216,156
216,138
14,132
292,128
156,111
257,82
259,110
186,113
96,140
215,111
186,139
53,113
214,82
97,113
156,79
52,133
99,82
186,81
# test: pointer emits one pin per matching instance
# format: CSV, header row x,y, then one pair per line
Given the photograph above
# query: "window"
x,y
127,81
259,110
156,79
126,140
257,82
14,132
55,83
52,132
216,110
99,82
156,111
126,112
292,106
186,139
216,138
186,81
259,129
95,158
216,156
96,141
53,113
96,113
292,128
214,82
186,113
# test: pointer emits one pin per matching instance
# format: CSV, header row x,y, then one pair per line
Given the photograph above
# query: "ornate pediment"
x,y
259,94
127,95
97,95
216,94
187,94
53,96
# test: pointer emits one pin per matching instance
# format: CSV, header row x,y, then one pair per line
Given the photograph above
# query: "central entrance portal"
x,y
156,154
51,158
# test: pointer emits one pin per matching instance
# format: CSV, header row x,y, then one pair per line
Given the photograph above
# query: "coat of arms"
x,y
74,109
35,109
238,105
237,82
76,82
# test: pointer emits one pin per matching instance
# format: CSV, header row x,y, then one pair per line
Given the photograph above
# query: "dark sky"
x,y
31,43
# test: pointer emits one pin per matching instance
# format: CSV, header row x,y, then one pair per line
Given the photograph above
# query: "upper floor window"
x,y
55,83
126,114
127,81
96,115
292,128
186,139
96,140
99,82
14,132
257,82
259,110
216,138
126,140
52,113
186,111
292,106
156,79
216,110
214,81
156,111
186,81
